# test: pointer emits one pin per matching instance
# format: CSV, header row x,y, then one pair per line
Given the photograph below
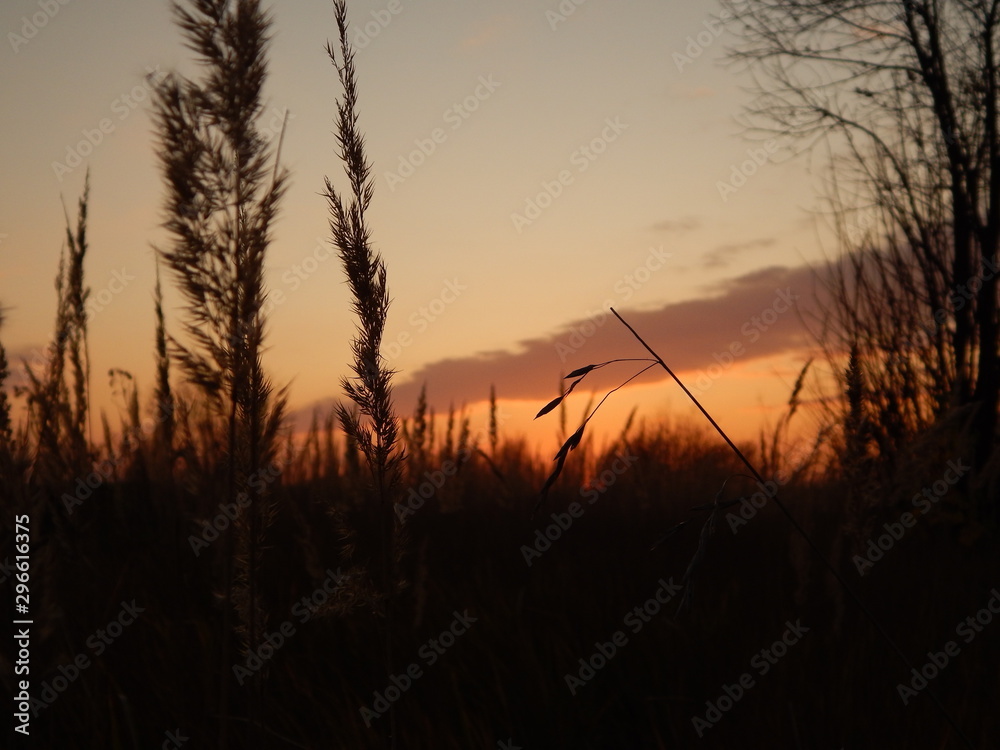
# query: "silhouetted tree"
x,y
907,94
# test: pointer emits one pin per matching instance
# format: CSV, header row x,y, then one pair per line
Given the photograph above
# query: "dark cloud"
x,y
684,224
686,334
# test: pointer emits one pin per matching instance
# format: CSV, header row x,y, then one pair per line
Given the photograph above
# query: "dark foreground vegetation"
x,y
131,540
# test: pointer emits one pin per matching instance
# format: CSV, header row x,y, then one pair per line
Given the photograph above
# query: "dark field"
x,y
501,680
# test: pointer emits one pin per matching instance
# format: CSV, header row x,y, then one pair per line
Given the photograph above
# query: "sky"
x,y
536,163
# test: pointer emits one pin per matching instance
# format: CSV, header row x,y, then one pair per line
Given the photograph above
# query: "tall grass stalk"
x,y
163,440
715,508
796,525
58,410
372,424
6,431
223,189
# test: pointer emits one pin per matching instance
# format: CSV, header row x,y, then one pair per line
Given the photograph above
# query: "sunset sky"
x,y
533,167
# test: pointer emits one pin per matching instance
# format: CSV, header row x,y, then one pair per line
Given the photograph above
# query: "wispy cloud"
x,y
723,255
693,93
683,224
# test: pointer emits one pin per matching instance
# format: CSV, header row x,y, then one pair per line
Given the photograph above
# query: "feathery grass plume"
x,y
311,451
59,415
494,431
431,431
448,449
51,450
492,458
372,424
76,321
466,443
224,184
12,448
123,386
418,436
331,456
773,447
6,433
163,397
856,435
